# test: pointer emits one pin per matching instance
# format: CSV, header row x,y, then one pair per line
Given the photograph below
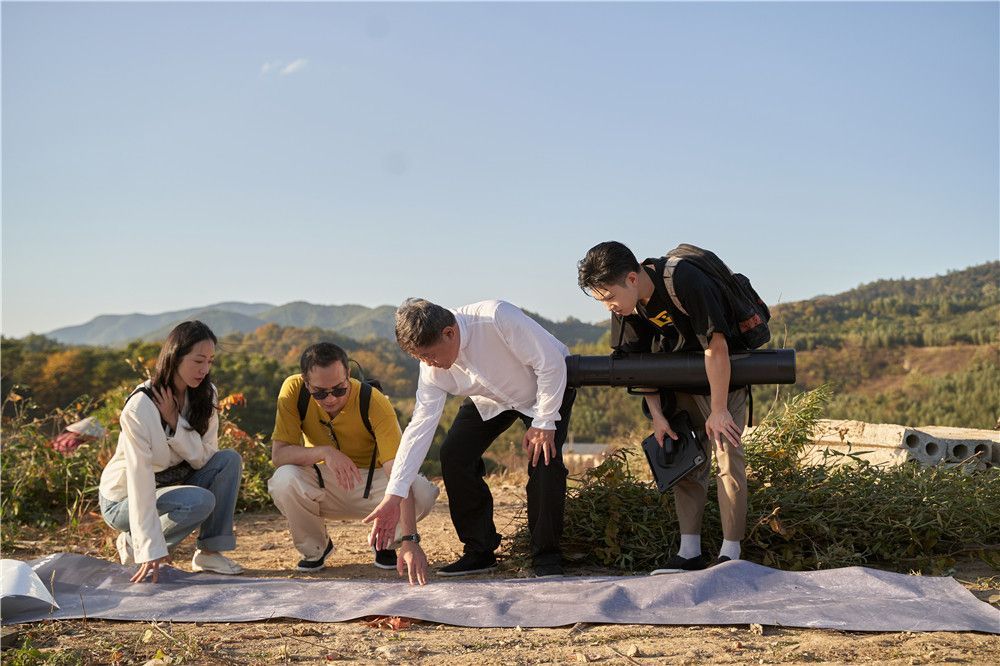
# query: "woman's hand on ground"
x,y
153,566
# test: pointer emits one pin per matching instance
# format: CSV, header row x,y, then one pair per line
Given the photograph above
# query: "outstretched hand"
x,y
384,519
151,567
414,561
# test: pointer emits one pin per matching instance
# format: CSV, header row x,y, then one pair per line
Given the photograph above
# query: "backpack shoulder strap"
x,y
668,281
303,402
366,403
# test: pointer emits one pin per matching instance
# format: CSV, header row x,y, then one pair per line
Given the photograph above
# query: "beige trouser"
x,y
691,492
296,492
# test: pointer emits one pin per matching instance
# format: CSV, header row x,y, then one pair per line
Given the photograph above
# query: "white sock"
x,y
690,546
730,549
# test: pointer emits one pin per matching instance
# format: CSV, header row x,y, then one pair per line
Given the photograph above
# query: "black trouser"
x,y
469,497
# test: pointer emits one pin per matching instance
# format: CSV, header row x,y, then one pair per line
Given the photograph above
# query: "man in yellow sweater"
x,y
333,459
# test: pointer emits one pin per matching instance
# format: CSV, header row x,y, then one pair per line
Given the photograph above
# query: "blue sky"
x,y
163,156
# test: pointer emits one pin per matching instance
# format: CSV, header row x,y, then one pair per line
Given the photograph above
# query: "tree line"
x,y
857,340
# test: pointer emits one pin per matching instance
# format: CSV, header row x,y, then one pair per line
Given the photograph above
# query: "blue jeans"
x,y
208,498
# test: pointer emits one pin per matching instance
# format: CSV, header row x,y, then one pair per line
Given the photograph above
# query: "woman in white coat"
x,y
168,476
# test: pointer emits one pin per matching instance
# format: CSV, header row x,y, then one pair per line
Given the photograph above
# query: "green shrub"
x,y
45,488
41,486
800,516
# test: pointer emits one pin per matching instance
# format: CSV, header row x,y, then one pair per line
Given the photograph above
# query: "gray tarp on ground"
x,y
852,599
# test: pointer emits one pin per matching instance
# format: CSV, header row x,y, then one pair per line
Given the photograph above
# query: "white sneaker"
x,y
216,563
124,545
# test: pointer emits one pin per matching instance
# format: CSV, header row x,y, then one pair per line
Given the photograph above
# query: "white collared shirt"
x,y
506,360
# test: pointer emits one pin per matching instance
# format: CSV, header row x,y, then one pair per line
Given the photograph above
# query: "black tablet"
x,y
677,458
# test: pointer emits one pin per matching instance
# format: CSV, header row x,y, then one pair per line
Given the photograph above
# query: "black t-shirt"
x,y
660,326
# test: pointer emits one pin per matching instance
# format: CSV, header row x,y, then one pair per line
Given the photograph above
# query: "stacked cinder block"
x,y
890,444
961,443
581,456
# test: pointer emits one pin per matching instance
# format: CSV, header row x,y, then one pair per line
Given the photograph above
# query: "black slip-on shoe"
x,y
385,559
470,563
317,564
678,564
720,560
547,570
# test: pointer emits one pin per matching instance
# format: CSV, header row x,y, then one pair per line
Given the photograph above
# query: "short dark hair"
x,y
419,323
322,355
605,264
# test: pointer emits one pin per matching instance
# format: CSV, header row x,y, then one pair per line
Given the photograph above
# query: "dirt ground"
x,y
266,551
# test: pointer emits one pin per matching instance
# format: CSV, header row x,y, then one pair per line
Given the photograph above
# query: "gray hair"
x,y
419,323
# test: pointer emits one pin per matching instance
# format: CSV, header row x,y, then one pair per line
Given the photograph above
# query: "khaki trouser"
x,y
691,492
296,492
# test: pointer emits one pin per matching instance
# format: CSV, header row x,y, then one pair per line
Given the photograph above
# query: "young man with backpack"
x,y
334,443
688,301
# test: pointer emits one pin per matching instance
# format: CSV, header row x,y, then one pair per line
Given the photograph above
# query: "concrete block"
x,y
915,444
816,453
923,447
962,443
581,456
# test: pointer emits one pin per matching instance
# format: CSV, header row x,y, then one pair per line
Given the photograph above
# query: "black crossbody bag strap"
x,y
366,402
149,392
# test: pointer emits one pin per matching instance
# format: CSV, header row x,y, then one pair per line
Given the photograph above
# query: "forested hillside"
x,y
914,352
962,307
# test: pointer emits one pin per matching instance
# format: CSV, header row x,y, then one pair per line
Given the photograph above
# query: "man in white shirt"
x,y
510,368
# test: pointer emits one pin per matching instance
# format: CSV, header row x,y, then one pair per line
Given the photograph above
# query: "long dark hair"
x,y
179,343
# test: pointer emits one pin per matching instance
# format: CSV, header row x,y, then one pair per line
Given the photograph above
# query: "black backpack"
x,y
365,399
748,311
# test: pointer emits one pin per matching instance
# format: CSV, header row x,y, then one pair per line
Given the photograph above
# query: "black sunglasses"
x,y
336,392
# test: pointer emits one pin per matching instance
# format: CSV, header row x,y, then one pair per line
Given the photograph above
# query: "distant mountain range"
x,y
959,307
353,321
